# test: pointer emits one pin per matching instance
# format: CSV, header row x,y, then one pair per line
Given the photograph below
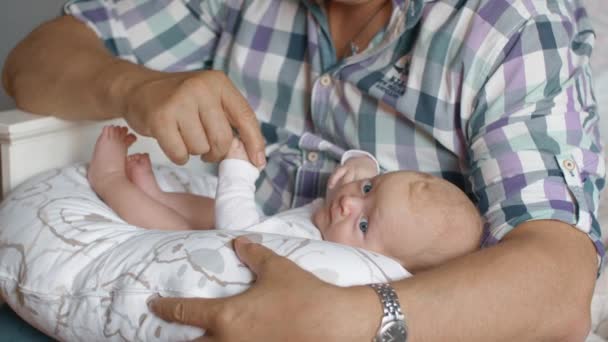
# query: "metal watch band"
x,y
390,301
392,311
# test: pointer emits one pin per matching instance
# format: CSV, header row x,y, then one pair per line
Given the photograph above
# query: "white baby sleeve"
x,y
235,207
359,153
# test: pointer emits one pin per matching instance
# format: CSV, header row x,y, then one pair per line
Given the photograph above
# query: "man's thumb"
x,y
254,255
198,312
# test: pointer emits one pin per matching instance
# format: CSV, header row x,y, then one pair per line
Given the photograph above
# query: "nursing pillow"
x,y
75,270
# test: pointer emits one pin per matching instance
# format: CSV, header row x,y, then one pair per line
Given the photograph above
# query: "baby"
x,y
420,220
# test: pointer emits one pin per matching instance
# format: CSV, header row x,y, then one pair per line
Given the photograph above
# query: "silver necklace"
x,y
354,48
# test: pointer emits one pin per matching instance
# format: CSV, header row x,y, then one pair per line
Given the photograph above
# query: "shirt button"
x,y
325,80
313,156
568,164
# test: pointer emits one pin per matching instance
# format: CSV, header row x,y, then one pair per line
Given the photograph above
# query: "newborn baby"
x,y
419,220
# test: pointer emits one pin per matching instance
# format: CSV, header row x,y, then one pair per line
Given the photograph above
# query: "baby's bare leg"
x,y
197,210
108,178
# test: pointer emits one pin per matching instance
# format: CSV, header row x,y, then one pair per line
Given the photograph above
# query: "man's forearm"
x,y
63,69
536,285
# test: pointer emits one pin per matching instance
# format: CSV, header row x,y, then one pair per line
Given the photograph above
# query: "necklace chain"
x,y
354,48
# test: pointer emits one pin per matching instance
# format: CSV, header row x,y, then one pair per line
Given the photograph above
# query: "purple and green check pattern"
x,y
489,94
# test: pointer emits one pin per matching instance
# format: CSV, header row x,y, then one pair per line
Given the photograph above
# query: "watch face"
x,y
394,331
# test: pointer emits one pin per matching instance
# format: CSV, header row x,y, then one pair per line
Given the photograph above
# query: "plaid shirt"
x,y
493,95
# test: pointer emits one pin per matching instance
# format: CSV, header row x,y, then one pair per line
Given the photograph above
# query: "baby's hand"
x,y
237,150
353,169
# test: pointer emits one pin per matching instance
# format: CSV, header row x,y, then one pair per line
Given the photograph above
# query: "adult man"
x,y
492,95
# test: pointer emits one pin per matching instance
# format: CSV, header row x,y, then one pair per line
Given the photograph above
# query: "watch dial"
x,y
395,332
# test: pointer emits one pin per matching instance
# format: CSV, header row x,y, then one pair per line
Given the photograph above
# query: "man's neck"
x,y
351,22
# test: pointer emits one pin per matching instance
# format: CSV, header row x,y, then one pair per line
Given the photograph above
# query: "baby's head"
x,y
416,218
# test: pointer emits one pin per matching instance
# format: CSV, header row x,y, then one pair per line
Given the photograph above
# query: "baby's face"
x,y
400,214
366,213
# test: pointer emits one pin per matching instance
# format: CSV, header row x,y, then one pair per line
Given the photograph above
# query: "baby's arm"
x,y
355,165
235,207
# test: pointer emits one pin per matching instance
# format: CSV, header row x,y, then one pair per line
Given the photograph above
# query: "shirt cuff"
x,y
567,197
238,169
359,153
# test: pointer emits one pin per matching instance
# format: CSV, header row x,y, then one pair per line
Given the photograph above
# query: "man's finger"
x,y
219,133
170,141
254,255
198,312
242,117
194,136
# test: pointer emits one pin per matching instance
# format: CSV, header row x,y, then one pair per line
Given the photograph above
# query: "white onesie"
x,y
235,207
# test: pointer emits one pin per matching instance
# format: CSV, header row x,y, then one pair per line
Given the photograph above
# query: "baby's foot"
x,y
109,156
139,172
237,150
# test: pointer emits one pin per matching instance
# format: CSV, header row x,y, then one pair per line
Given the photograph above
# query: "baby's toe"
x,y
145,159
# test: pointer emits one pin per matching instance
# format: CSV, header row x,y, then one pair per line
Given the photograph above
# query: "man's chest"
x,y
388,101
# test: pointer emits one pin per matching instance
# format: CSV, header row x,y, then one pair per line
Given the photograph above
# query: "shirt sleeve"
x,y
169,35
534,145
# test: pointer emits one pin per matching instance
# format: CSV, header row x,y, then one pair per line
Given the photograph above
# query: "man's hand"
x,y
353,169
535,285
286,303
193,113
63,69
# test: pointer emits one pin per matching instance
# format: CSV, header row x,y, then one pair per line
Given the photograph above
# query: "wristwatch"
x,y
392,327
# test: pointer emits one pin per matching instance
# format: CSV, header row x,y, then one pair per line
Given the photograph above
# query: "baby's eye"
x,y
367,187
363,225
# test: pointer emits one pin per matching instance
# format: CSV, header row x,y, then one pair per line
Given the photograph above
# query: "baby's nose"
x,y
350,204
